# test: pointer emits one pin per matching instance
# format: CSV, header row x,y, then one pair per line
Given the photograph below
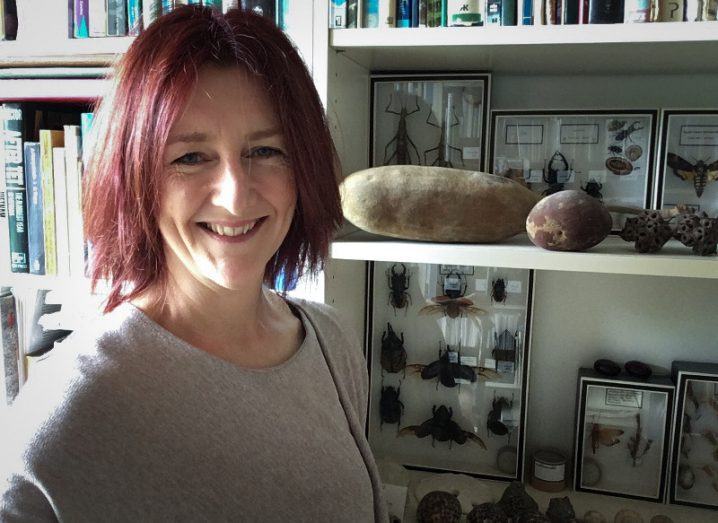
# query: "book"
x,y
337,14
97,18
73,166
9,340
151,10
415,13
217,4
637,11
116,17
15,189
527,12
134,17
605,11
4,226
35,223
370,13
386,13
508,12
403,13
493,12
570,12
267,8
423,12
435,13
2,20
62,239
48,140
229,4
81,19
352,13
552,13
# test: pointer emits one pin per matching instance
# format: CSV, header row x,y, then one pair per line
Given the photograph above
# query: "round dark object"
x,y
515,501
438,505
634,152
638,369
607,367
486,513
560,510
619,166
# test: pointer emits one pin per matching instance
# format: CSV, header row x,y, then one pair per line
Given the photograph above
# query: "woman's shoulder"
x,y
328,322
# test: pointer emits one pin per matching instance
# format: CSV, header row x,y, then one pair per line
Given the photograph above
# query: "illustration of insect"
x,y
493,422
550,175
606,436
443,149
498,291
616,125
626,133
593,188
442,428
447,371
615,149
700,173
390,407
401,139
393,354
452,303
398,283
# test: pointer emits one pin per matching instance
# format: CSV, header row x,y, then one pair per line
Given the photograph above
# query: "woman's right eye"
x,y
188,159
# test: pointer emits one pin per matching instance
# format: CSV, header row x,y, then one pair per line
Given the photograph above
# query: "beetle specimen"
x,y
398,285
442,428
390,408
700,173
393,354
493,421
505,346
401,139
606,436
443,149
452,303
498,290
616,125
615,149
557,163
593,188
447,371
626,133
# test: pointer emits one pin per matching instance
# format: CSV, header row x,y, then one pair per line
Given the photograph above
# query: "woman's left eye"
x,y
188,159
266,152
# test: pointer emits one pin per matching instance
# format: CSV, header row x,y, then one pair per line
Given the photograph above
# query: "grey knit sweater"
x,y
126,422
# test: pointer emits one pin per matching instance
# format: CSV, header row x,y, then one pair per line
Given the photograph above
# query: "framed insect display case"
x,y
688,170
608,154
435,120
623,430
694,464
448,351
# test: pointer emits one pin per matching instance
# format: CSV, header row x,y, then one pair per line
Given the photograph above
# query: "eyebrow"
x,y
196,137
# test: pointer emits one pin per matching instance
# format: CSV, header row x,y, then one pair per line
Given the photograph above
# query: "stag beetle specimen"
x,y
390,408
398,285
493,422
393,354
593,188
401,138
448,371
498,290
626,133
452,303
557,163
442,428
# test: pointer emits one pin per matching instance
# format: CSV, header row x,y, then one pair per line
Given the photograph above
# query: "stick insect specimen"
x,y
401,140
443,149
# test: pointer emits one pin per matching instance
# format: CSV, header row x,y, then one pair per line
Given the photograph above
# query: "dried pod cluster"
x,y
650,231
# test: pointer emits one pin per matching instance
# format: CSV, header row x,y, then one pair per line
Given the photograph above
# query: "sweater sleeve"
x,y
23,501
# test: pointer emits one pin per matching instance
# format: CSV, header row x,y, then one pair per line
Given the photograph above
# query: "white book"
x,y
229,4
73,184
62,238
97,18
151,9
4,226
387,13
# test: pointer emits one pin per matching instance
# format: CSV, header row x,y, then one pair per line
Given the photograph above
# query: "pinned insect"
x,y
638,446
615,149
700,173
452,303
556,164
593,188
626,133
393,354
390,407
498,291
442,428
606,436
401,139
447,371
399,283
505,346
493,422
443,149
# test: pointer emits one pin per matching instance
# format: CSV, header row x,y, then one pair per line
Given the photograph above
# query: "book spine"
x,y
166,6
463,13
151,10
116,17
216,4
693,10
4,225
86,134
2,20
387,13
570,12
48,140
62,240
229,4
9,339
352,13
552,13
423,8
35,225
371,13
338,14
434,12
637,11
605,11
81,19
97,18
403,13
508,12
710,10
16,191
493,12
134,17
73,165
527,12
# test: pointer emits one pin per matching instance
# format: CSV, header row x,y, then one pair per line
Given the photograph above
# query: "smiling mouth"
x,y
222,230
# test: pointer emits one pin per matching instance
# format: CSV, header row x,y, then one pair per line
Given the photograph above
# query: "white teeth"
x,y
231,231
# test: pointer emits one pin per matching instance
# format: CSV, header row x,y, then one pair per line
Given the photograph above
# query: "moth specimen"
x,y
700,173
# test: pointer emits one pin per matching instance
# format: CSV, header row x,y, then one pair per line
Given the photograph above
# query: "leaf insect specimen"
x,y
398,282
700,173
442,428
452,303
401,140
447,371
444,148
390,407
638,446
606,436
393,354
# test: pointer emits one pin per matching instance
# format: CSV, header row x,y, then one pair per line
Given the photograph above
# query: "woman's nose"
x,y
234,189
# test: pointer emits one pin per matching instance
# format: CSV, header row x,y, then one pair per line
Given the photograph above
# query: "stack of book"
x,y
40,186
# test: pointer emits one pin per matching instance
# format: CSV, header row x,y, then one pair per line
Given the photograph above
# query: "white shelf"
x,y
68,51
592,49
612,256
53,89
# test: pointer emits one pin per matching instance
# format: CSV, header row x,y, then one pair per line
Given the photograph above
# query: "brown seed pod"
x,y
438,505
649,230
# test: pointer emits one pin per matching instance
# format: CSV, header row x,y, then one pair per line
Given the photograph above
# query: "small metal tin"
x,y
548,470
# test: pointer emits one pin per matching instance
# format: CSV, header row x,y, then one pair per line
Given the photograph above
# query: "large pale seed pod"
x,y
436,204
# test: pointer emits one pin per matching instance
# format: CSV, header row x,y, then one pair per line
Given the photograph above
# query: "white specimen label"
x,y
548,472
513,286
480,285
471,153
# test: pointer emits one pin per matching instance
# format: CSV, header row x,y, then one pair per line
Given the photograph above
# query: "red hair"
x,y
153,81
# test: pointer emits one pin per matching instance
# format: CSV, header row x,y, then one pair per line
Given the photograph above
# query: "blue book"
x,y
85,127
371,13
82,25
403,13
508,12
134,17
527,13
116,17
35,219
15,190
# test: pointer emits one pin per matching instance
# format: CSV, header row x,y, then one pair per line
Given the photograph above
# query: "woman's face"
x,y
228,194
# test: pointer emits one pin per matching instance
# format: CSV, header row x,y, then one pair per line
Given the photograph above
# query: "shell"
x,y
515,501
436,203
439,506
686,477
486,513
627,516
560,510
594,516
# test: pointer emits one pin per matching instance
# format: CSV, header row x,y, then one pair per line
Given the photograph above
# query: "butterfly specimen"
x,y
700,173
605,436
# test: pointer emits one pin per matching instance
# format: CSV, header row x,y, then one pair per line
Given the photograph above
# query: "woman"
x,y
202,395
